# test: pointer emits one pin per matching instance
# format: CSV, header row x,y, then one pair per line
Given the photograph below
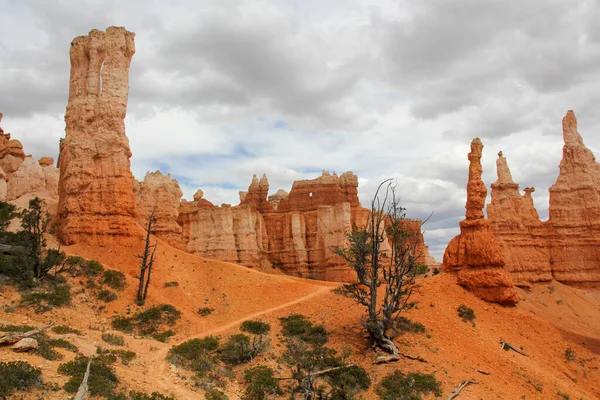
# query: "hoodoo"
x,y
475,254
96,198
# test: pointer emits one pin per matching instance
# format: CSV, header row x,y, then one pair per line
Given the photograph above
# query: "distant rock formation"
x,y
291,232
567,246
162,194
33,179
475,254
96,199
11,153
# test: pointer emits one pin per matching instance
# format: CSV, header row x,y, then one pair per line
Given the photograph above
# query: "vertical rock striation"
x,y
96,198
474,254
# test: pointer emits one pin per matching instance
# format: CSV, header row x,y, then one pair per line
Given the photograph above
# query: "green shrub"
x,y
93,268
149,322
204,311
398,386
53,295
436,271
126,356
63,329
465,313
298,326
261,383
215,394
406,325
102,380
107,296
255,327
186,352
46,347
171,284
18,376
570,354
122,324
236,350
115,340
163,336
16,328
420,269
143,396
114,279
346,382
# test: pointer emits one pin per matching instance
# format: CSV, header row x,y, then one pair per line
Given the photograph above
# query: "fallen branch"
x,y
417,358
82,393
14,337
460,387
508,346
318,373
482,371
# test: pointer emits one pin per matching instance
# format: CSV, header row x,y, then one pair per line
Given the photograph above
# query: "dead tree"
x,y
82,393
147,262
383,255
14,337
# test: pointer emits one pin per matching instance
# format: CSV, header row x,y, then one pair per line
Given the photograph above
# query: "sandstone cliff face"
x,y
475,254
292,232
567,246
96,199
3,185
11,153
162,194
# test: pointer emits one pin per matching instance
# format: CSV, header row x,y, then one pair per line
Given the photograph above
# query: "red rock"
x,y
162,194
96,199
11,153
46,161
475,254
256,195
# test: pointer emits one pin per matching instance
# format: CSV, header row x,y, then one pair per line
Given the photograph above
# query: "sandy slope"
x,y
551,318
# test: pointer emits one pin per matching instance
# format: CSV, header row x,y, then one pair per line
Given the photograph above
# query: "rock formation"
x,y
96,198
291,232
162,194
567,246
3,185
474,254
46,161
11,153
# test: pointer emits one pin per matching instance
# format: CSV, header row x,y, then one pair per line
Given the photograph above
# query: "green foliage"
x,y
63,329
347,382
46,347
50,294
126,356
171,284
109,356
398,386
114,279
149,322
298,326
237,350
404,324
7,213
143,396
436,271
255,327
163,336
18,376
261,383
195,354
204,311
465,313
16,328
115,340
107,296
420,269
215,394
93,268
102,380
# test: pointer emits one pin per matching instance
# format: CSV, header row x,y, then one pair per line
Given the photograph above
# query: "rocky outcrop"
x,y
11,153
46,161
3,185
96,198
474,255
291,232
567,246
161,194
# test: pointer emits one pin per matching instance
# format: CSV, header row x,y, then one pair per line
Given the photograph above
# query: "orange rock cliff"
x,y
292,232
567,246
96,198
474,254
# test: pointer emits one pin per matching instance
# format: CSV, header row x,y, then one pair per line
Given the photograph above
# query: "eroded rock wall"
x,y
96,198
11,153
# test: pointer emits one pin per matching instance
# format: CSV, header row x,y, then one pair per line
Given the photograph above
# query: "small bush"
x,y
195,354
122,324
102,380
163,336
109,356
255,327
93,268
18,376
215,394
261,383
570,354
171,284
54,295
406,325
236,350
398,386
298,326
115,340
436,271
63,329
348,381
420,269
114,279
16,328
149,322
46,348
465,313
204,311
143,396
107,296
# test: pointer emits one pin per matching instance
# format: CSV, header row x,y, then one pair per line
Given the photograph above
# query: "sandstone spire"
x,y
475,254
96,199
11,153
257,194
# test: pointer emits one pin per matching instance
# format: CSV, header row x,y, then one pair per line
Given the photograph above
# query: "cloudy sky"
x,y
224,89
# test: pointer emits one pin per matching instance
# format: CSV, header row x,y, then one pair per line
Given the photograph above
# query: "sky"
x,y
221,90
